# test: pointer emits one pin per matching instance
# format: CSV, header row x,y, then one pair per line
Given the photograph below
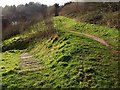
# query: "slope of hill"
x,y
68,59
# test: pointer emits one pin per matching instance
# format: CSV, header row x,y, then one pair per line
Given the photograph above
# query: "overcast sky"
x,y
17,2
48,2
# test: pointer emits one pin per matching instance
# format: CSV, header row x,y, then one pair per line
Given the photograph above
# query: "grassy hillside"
x,y
69,60
108,34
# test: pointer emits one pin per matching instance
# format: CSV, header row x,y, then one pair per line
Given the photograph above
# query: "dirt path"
x,y
100,40
29,63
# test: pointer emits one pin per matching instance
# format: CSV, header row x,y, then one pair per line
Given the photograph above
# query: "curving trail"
x,y
100,40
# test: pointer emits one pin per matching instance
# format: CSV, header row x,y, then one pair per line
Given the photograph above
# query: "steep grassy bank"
x,y
70,60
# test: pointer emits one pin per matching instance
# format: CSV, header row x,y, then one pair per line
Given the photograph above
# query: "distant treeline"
x,y
27,11
15,19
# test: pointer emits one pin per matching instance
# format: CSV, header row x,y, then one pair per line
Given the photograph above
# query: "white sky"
x,y
48,2
17,2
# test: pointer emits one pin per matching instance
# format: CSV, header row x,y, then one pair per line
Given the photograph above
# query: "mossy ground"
x,y
70,60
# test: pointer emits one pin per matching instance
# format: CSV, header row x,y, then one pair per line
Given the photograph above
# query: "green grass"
x,y
23,40
10,61
69,54
111,35
70,60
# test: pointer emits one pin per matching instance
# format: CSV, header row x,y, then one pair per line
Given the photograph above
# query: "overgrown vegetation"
x,y
105,14
70,60
10,61
30,36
